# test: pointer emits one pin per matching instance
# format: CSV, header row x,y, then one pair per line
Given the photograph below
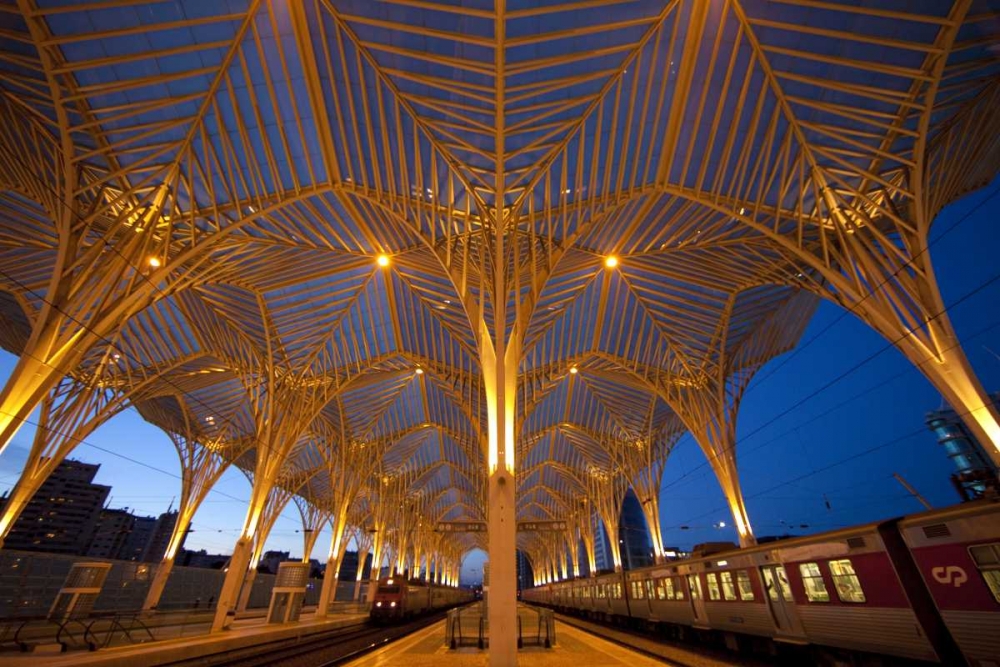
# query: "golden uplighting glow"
x,y
155,262
382,260
610,262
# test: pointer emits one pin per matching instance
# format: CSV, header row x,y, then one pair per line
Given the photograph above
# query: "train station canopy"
x,y
290,233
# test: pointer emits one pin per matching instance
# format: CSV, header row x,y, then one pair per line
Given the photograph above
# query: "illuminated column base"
x,y
724,467
362,556
734,498
238,565
503,570
158,585
247,588
329,590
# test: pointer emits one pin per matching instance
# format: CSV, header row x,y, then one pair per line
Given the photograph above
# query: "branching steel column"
x,y
331,577
363,540
202,464
500,359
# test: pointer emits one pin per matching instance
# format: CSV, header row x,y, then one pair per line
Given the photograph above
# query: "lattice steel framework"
x,y
411,256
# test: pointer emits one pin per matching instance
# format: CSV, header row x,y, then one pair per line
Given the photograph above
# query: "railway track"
x,y
326,649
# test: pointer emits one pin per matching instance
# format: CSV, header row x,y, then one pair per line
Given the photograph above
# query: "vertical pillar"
x,y
159,583
500,377
338,546
362,556
574,553
239,562
724,466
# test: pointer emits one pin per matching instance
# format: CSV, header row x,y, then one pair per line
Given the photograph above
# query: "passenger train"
x,y
925,587
397,598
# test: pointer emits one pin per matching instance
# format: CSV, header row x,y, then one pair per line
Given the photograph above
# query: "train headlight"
x,y
378,604
392,604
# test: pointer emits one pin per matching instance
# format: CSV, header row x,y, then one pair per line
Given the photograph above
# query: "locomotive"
x,y
924,587
397,598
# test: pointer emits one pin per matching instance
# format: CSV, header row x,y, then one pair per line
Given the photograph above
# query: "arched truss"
x,y
192,197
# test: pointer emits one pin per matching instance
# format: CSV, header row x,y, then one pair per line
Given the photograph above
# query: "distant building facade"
x,y
156,546
525,573
975,471
138,539
633,534
111,531
349,566
62,515
602,548
271,559
120,535
202,558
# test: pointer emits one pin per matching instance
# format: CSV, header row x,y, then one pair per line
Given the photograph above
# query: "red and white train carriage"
x,y
925,587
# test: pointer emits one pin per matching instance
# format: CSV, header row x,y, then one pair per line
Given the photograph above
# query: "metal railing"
x,y
455,635
94,632
535,627
544,628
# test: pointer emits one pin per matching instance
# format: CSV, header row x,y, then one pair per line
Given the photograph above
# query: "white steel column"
x,y
500,375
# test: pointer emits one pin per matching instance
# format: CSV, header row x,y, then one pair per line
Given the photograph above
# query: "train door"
x,y
779,600
695,596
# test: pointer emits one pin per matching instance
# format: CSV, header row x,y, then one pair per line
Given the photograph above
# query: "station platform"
x,y
573,648
192,640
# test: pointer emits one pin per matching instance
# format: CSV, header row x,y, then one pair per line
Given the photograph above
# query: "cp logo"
x,y
953,575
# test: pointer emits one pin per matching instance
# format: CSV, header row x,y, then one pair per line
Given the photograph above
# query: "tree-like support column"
x,y
338,547
363,541
500,377
201,468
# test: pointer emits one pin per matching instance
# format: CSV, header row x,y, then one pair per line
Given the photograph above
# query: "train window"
x,y
987,558
665,589
743,582
638,590
618,591
812,580
846,581
678,590
388,590
713,586
728,589
649,588
695,585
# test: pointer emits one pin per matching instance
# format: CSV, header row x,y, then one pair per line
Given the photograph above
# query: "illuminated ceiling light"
x,y
574,370
155,262
568,191
610,262
382,260
742,210
420,371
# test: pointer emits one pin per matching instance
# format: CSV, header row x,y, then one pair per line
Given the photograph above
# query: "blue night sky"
x,y
810,427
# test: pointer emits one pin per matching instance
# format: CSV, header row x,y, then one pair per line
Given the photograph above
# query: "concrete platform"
x,y
574,648
244,633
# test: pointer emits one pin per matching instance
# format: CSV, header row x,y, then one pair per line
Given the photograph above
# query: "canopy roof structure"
x,y
323,241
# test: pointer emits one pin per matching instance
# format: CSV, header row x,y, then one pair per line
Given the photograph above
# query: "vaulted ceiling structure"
x,y
285,231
